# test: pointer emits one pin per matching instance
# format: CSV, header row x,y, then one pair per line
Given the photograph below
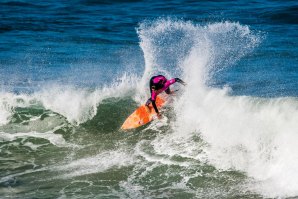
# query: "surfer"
x,y
159,84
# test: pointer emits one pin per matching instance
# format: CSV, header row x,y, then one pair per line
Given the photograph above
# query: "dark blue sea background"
x,y
57,40
72,71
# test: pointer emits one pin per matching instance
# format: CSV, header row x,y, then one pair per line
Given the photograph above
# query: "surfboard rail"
x,y
142,115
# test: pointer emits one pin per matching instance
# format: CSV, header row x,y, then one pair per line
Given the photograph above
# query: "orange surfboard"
x,y
142,115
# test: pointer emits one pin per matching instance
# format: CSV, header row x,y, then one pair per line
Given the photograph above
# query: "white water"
x,y
77,105
7,103
256,136
55,139
95,164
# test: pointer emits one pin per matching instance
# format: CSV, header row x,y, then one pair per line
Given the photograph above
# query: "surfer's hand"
x,y
159,116
148,102
180,81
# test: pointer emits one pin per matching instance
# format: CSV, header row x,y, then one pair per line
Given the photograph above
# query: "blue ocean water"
x,y
72,71
53,40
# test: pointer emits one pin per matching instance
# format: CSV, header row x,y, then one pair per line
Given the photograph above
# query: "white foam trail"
x,y
95,164
164,160
13,176
32,146
55,139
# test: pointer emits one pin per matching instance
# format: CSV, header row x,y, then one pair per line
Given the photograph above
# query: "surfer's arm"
x,y
172,81
154,106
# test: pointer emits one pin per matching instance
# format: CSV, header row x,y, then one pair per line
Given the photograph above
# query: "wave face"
x,y
210,142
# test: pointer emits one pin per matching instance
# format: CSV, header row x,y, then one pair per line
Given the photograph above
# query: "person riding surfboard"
x,y
157,85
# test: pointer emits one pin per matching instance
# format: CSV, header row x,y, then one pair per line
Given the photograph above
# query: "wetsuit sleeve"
x,y
168,83
153,95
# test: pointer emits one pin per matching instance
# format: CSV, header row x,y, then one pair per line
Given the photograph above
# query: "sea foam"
x,y
257,136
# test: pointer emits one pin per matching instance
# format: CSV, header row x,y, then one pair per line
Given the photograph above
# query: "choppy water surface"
x,y
72,71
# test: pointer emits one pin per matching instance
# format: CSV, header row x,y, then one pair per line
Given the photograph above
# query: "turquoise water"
x,y
72,71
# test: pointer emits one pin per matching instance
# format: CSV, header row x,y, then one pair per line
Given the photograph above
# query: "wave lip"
x,y
77,105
